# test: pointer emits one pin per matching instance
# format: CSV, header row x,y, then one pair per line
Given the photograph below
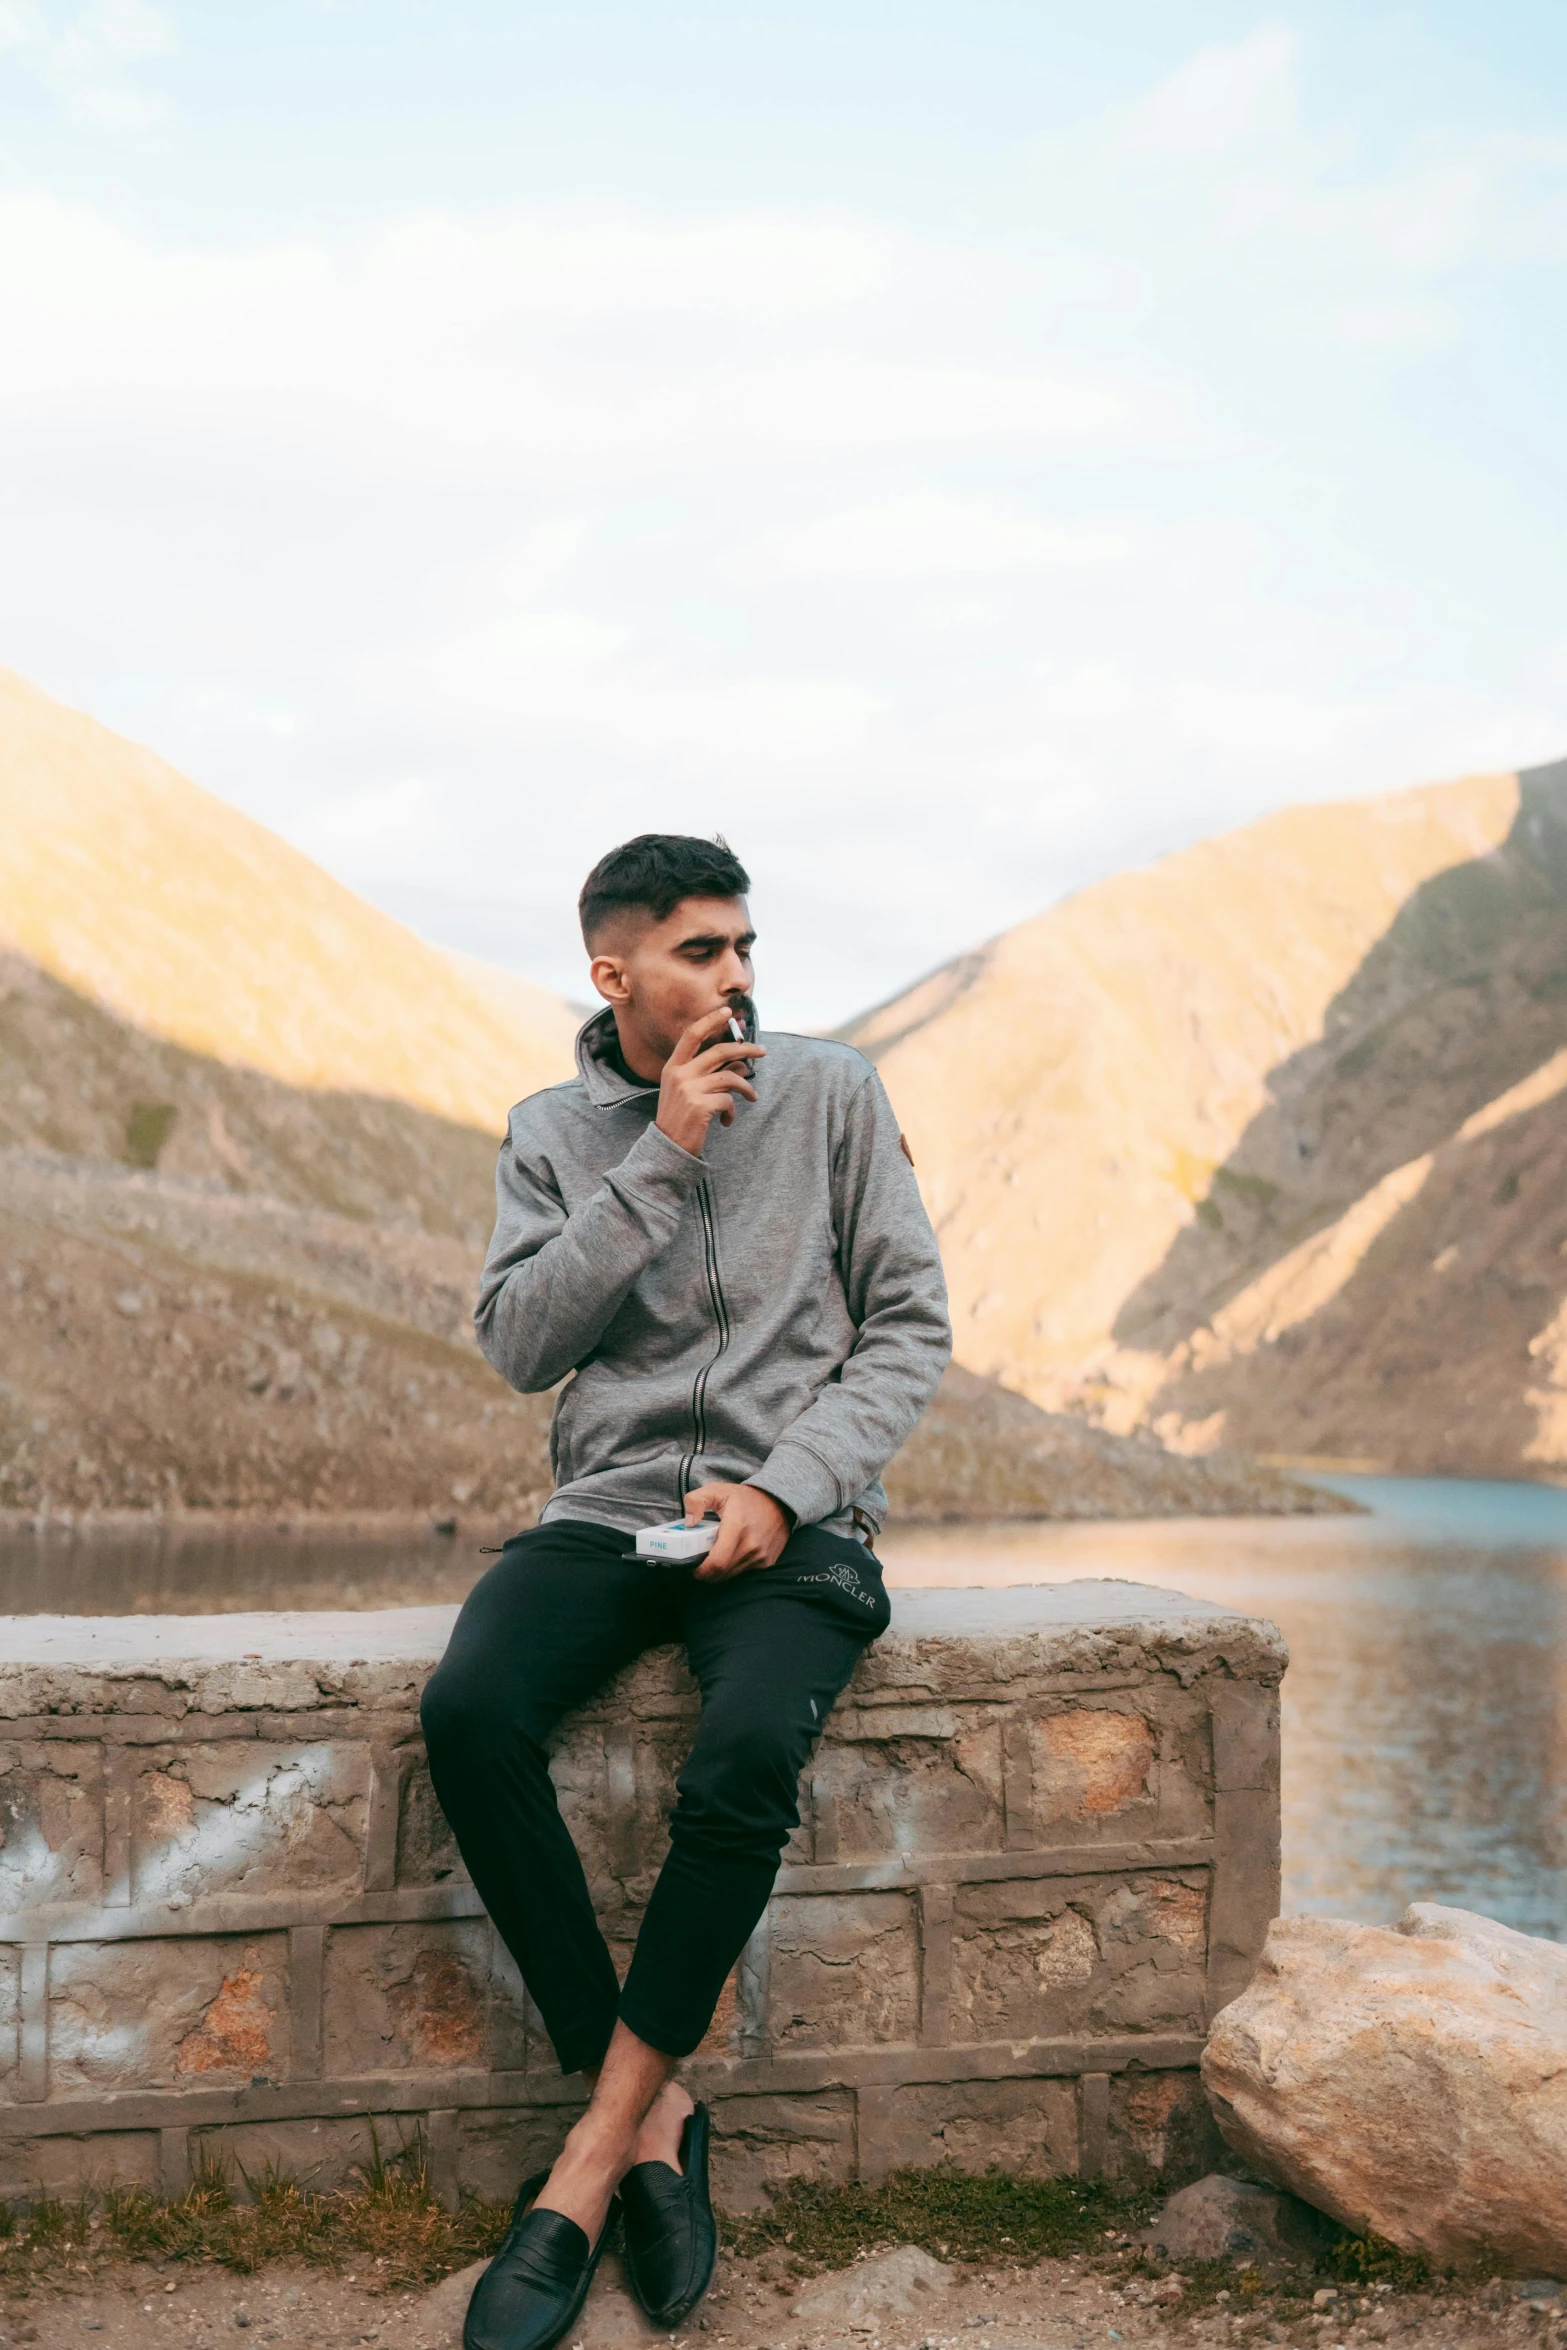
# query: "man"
x,y
720,1248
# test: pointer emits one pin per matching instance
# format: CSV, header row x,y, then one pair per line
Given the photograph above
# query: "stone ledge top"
x,y
306,1659
142,1644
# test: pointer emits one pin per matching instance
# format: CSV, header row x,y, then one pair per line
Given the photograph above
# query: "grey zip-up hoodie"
x,y
771,1312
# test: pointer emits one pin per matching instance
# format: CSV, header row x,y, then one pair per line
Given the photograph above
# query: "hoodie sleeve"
x,y
553,1282
893,1280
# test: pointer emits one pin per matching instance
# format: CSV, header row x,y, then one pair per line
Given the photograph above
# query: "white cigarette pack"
x,y
677,1544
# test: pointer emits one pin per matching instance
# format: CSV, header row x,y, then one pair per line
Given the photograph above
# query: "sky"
x,y
955,451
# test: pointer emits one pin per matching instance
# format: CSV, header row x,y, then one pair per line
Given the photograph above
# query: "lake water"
x,y
1425,1716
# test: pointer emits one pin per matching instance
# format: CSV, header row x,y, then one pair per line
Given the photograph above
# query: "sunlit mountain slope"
x,y
1264,1144
163,905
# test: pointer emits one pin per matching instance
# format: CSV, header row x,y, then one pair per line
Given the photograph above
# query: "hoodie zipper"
x,y
715,1291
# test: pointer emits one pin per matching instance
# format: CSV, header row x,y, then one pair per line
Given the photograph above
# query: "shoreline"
x,y
409,1526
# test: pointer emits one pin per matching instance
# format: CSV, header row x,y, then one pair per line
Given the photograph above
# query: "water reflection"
x,y
1425,1719
181,1571
1425,1713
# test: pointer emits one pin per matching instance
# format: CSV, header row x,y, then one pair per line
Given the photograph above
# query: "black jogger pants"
x,y
566,1606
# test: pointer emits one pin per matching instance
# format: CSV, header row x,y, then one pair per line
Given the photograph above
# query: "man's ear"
x,y
611,978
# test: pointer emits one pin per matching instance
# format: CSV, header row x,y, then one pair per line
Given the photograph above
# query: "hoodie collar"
x,y
596,1038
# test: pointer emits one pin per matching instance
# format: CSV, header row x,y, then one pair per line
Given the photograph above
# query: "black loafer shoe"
x,y
533,2290
669,2234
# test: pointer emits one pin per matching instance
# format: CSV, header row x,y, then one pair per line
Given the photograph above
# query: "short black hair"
x,y
655,871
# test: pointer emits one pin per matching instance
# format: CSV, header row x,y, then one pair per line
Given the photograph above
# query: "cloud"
x,y
1378,325
926,535
390,829
573,265
940,573
114,29
1228,98
85,59
563,679
462,353
1227,137
22,25
1417,222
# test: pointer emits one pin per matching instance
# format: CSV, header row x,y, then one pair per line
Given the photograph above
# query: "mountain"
x,y
1263,1145
180,989
247,1144
247,1151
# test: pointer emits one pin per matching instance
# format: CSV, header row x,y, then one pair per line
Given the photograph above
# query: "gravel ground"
x,y
895,2301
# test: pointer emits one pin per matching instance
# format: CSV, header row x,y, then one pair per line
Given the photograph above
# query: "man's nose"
x,y
734,976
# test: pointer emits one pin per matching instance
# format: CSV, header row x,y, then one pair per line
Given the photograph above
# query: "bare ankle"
x,y
663,2128
595,2144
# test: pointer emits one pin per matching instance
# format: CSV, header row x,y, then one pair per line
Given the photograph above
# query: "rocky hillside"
x,y
247,1141
137,890
1263,1146
172,1348
982,1451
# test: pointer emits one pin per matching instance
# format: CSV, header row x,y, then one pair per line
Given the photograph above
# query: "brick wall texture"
x,y
1038,1848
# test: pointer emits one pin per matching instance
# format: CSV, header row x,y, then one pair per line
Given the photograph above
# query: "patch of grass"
x,y
954,2214
389,2226
1255,1188
1372,2260
147,1129
388,2231
55,2227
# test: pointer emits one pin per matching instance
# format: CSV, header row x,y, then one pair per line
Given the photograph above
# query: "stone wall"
x,y
1039,1848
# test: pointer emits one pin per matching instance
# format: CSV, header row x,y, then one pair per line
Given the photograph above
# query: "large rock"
x,y
1413,2082
891,2284
1220,2218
